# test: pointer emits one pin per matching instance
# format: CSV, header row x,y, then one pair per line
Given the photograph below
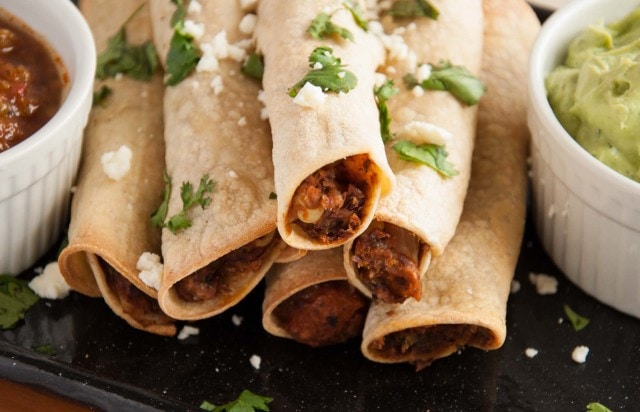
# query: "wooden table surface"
x,y
15,397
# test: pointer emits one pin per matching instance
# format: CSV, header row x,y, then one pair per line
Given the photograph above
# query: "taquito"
x,y
330,165
465,290
417,219
213,128
311,301
110,227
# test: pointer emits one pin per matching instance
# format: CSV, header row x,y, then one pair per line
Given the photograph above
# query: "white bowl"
x,y
36,175
587,215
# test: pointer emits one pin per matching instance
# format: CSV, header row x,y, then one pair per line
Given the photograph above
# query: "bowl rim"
x,y
81,83
539,57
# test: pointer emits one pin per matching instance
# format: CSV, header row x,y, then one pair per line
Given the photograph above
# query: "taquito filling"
x,y
422,345
324,314
208,282
386,259
139,306
329,204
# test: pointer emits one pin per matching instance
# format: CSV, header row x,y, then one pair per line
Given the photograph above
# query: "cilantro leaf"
x,y
597,407
253,66
382,94
189,199
247,401
15,299
578,322
357,13
138,62
160,214
45,349
414,8
322,27
431,155
456,79
101,94
182,58
331,76
272,196
183,55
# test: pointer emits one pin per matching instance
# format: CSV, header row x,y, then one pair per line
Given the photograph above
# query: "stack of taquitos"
x,y
213,127
330,166
418,217
110,228
466,289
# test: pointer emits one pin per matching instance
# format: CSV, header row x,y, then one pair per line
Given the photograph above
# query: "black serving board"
x,y
104,363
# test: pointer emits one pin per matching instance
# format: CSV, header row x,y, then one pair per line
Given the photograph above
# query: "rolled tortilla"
x,y
417,219
213,127
330,165
110,227
466,289
311,301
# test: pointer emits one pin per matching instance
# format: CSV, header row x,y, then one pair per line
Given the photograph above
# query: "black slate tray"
x,y
103,362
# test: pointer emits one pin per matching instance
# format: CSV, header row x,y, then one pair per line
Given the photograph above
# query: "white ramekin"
x,y
36,175
587,215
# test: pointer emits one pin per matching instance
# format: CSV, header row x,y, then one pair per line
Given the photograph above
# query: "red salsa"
x,y
30,83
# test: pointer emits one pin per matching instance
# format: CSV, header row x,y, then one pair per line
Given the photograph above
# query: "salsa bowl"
x,y
36,175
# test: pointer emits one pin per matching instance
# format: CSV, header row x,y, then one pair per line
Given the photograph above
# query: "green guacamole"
x,y
596,93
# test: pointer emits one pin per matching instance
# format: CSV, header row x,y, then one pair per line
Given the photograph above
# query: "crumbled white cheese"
x,y
248,24
545,284
396,46
150,269
116,164
216,85
208,61
423,72
515,286
236,319
531,352
341,75
248,5
194,7
242,121
255,360
187,331
195,30
310,96
579,354
420,132
417,91
118,76
379,79
50,284
317,66
232,174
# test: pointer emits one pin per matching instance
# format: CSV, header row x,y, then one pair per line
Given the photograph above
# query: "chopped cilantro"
x,y
253,66
322,27
431,155
273,196
183,55
578,322
101,94
246,402
330,76
358,14
597,407
189,199
15,299
414,8
138,62
46,349
455,79
382,94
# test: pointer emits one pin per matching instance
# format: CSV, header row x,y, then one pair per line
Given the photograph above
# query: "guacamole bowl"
x,y
37,169
587,215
